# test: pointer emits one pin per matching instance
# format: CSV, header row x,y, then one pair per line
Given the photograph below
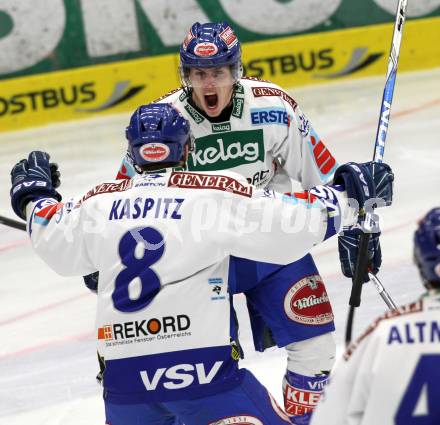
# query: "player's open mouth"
x,y
211,100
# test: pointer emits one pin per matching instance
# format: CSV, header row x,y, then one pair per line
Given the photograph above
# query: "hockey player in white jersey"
x,y
391,374
161,242
256,129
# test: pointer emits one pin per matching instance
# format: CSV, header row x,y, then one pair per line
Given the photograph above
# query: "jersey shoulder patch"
x,y
44,210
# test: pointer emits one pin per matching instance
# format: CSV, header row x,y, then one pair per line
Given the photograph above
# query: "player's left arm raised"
x,y
55,230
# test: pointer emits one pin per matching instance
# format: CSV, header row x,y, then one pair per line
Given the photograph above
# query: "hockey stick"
x,y
382,292
379,148
385,296
20,225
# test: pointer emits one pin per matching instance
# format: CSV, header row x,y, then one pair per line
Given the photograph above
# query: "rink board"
x,y
289,62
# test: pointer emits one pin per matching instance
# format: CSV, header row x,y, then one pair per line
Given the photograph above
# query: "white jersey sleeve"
x,y
243,221
289,224
57,235
387,376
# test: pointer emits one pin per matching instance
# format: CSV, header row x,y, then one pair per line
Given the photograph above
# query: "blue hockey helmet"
x,y
427,248
158,134
210,45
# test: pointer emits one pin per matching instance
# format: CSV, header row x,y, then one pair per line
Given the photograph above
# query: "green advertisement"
x,y
228,150
46,35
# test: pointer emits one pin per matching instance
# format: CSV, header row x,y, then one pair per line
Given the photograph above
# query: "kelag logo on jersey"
x,y
195,115
263,116
228,150
221,127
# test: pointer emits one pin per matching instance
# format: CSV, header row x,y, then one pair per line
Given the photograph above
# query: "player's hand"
x,y
348,243
32,179
366,181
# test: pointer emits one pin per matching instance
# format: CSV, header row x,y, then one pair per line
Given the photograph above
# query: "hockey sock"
x,y
301,395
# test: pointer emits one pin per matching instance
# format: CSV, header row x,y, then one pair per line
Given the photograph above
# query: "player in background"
x,y
165,328
391,374
256,129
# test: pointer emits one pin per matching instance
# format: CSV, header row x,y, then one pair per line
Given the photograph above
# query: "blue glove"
x,y
383,178
91,281
32,179
366,181
348,243
363,182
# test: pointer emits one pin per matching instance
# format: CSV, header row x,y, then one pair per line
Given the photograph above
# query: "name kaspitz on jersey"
x,y
138,208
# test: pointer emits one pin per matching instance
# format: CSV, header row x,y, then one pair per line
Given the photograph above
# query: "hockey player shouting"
x,y
164,324
256,129
391,374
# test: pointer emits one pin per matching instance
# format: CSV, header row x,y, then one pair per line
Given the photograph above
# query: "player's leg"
x,y
248,403
308,364
293,310
138,414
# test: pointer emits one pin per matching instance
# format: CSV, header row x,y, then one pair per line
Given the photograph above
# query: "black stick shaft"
x,y
358,281
349,328
20,225
361,270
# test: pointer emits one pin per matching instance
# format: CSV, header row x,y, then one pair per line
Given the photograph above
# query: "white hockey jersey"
x,y
161,243
266,139
391,374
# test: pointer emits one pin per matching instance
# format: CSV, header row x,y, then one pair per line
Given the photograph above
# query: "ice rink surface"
x,y
47,353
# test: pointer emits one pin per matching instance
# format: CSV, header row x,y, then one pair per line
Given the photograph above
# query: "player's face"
x,y
212,88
